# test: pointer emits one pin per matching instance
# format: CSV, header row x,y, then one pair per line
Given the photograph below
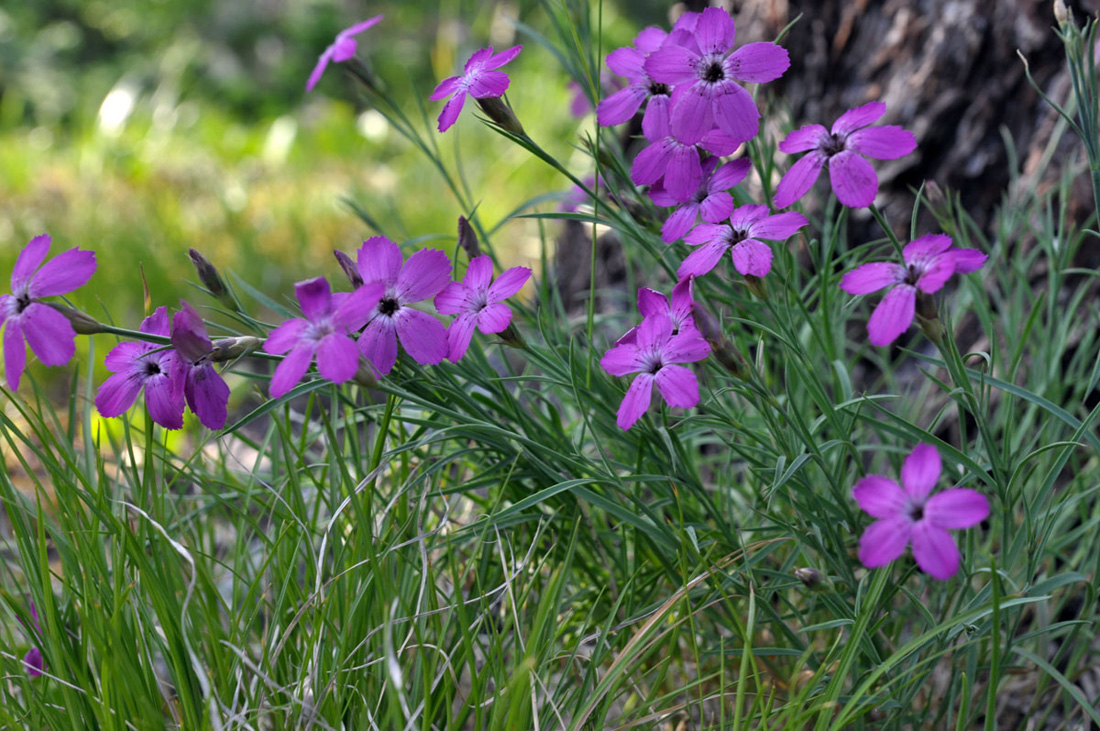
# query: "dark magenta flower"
x,y
341,50
679,309
324,333
33,662
712,200
843,148
206,393
27,320
741,237
479,79
929,263
478,302
629,62
653,355
909,515
705,75
422,277
138,365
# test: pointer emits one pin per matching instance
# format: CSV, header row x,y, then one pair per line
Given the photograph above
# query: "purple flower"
x,y
33,662
28,320
207,394
653,356
629,62
711,199
479,79
325,332
705,75
138,365
341,50
854,180
671,160
908,514
478,301
929,263
422,277
679,311
740,237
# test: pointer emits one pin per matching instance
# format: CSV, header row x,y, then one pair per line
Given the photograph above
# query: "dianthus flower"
x,y
325,332
843,148
479,79
711,200
653,355
422,277
341,50
27,319
629,62
33,662
478,302
740,237
705,75
909,515
206,392
679,311
138,365
929,263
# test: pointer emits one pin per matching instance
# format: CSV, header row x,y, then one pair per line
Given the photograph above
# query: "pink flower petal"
x,y
680,222
703,259
477,60
454,299
671,64
379,260
893,315
854,180
424,276
735,112
122,356
804,139
799,179
319,69
921,471
706,233
423,337
650,38
959,507
64,273
164,401
315,297
654,332
729,175
752,257
683,299
445,88
337,357
656,122
502,58
290,370
286,336
684,173
343,49
489,84
451,110
920,250
758,62
34,663
378,344
884,540
879,496
650,164
628,62
621,106
636,401
883,143
621,360
687,346
872,277
714,31
651,302
935,272
494,318
49,334
156,323
934,550
779,227
189,333
29,259
459,334
15,352
692,115
968,260
746,218
354,309
862,116
716,207
479,274
359,27
207,395
508,283
118,393
678,386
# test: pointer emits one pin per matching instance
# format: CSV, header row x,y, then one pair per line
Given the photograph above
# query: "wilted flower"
x,y
342,49
478,301
910,515
479,79
27,320
138,365
324,333
929,263
843,148
206,392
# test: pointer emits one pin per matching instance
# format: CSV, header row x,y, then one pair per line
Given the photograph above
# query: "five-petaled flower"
x,y
679,308
342,49
653,355
207,394
907,514
479,79
740,237
422,277
712,200
843,148
324,333
137,365
929,263
27,319
478,301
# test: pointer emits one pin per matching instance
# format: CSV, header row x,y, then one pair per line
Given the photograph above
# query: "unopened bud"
x,y
720,346
208,274
365,376
511,337
935,196
496,110
929,319
1062,14
757,286
233,348
350,270
813,579
82,323
364,75
467,238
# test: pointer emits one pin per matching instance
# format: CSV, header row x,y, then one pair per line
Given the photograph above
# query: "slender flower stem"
x,y
885,225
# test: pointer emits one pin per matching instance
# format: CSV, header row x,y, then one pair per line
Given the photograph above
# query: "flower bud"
x,y
511,337
208,274
83,324
467,239
813,579
233,348
365,376
350,270
1062,14
496,110
757,286
929,319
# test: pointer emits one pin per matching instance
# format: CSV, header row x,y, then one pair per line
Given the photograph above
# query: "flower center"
x,y
737,235
714,73
152,368
834,145
916,512
658,89
913,275
389,305
22,302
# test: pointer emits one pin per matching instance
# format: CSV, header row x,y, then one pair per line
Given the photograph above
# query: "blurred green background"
x,y
139,129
